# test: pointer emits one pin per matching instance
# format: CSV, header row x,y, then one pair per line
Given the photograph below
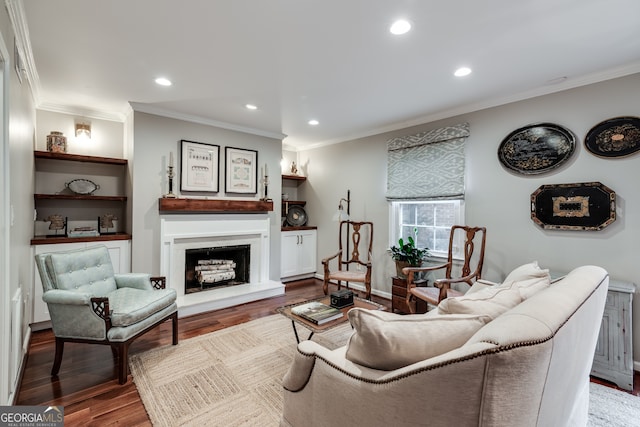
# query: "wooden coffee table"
x,y
357,302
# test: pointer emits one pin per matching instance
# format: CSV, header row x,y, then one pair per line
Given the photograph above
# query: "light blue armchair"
x,y
88,303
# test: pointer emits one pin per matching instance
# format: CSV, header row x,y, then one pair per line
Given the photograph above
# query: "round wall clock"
x,y
536,148
617,137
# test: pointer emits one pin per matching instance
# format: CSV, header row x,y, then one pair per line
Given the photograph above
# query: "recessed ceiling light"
x,y
313,122
251,107
401,26
163,81
462,71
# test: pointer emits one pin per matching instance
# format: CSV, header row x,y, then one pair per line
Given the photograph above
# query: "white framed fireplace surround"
x,y
179,232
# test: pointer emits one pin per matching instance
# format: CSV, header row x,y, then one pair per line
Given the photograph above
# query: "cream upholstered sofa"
x,y
526,366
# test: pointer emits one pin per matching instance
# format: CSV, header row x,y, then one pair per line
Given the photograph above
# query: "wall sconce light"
x,y
340,214
83,130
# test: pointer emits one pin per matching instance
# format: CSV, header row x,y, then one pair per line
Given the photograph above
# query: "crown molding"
x,y
146,108
548,89
15,10
84,112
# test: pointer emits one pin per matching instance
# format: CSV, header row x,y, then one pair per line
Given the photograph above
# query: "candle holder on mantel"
x,y
265,186
170,194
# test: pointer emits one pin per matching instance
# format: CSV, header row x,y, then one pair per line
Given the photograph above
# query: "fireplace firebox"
x,y
213,268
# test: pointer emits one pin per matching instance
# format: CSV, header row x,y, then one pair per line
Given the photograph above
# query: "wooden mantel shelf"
x,y
179,206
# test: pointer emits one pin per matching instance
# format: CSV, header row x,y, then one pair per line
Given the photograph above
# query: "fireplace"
x,y
183,234
211,268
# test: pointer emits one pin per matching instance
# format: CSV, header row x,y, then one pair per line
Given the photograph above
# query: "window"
x,y
432,221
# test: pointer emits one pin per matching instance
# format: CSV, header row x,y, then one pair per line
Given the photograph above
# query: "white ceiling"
x,y
330,60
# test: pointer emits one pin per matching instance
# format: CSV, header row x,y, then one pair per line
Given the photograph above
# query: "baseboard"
x,y
636,366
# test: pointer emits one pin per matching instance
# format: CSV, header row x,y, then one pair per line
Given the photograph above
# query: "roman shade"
x,y
428,165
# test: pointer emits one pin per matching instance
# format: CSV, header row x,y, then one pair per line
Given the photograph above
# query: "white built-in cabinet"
x,y
119,251
613,359
299,251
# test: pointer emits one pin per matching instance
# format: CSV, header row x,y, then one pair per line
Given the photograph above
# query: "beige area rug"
x,y
231,377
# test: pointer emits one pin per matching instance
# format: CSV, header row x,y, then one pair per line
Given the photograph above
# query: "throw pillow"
x,y
491,301
529,279
526,271
388,341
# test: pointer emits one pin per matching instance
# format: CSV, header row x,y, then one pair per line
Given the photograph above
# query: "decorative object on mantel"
x,y
171,175
82,186
56,142
536,148
582,206
265,183
199,167
58,222
241,171
294,168
617,137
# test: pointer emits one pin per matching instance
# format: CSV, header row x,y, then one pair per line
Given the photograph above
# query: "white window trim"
x,y
434,255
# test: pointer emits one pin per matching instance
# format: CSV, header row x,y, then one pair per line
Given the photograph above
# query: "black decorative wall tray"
x,y
583,206
536,148
617,137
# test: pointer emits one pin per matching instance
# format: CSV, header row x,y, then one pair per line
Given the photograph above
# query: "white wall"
x,y
17,174
106,136
495,197
154,138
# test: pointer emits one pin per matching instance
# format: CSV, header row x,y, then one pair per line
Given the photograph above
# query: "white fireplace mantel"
x,y
191,231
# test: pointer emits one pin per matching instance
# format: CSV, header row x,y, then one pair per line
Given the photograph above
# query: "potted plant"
x,y
407,254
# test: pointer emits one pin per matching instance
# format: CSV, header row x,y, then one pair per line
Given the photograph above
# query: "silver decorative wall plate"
x,y
536,148
82,186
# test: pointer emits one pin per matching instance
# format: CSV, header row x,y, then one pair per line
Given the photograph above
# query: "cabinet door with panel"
x,y
298,254
119,251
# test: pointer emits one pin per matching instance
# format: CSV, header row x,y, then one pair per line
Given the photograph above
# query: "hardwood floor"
x,y
87,384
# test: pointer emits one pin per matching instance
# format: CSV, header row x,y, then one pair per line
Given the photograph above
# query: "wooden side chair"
x,y
469,273
350,268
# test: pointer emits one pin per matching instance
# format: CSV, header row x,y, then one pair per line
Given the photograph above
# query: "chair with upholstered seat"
x,y
350,268
88,303
471,269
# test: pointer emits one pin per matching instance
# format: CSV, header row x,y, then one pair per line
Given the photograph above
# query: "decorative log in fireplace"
x,y
211,268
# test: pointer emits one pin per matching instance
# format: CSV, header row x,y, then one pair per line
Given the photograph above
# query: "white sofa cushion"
x,y
491,301
388,341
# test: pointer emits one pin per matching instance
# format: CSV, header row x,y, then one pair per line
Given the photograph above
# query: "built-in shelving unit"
x,y
52,173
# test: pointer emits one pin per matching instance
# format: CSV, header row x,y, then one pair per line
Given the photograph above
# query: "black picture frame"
x,y
241,171
536,148
199,167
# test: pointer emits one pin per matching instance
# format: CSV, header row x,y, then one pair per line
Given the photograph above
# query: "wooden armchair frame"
x,y
442,287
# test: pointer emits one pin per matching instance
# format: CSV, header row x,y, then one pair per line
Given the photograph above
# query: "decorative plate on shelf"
x,y
82,186
536,148
617,137
296,216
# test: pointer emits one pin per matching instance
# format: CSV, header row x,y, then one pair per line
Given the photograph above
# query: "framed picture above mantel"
x,y
241,171
199,167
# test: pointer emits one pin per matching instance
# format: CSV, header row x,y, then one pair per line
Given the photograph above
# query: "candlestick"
x,y
170,194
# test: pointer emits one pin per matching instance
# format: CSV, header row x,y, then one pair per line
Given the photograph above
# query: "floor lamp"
x,y
341,215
